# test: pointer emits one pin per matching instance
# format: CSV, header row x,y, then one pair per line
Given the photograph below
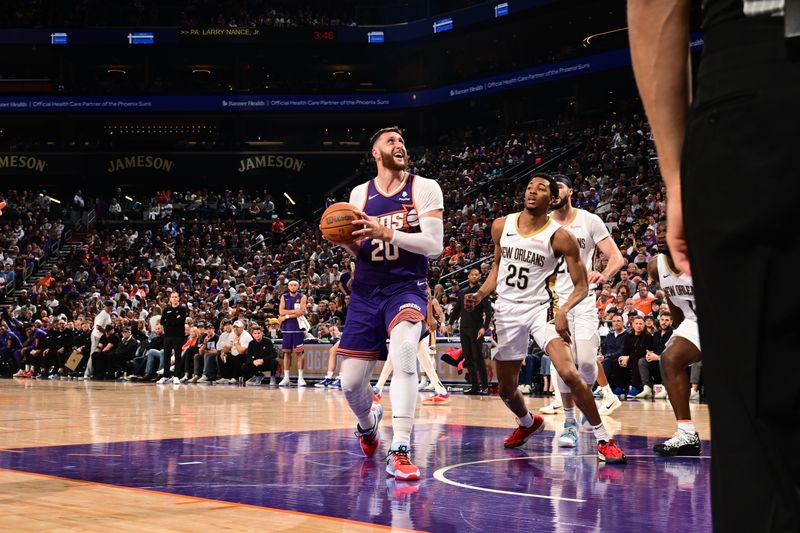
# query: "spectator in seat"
x,y
611,349
208,354
625,281
650,364
82,342
146,366
58,344
643,299
629,312
637,344
184,365
108,358
9,343
261,358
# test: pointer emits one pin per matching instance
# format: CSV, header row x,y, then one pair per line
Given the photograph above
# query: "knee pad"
x,y
405,357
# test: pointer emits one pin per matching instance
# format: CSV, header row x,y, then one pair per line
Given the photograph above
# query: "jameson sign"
x,y
271,161
153,162
175,165
23,162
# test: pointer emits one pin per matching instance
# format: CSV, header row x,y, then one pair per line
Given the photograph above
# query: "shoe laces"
x,y
400,455
679,439
610,444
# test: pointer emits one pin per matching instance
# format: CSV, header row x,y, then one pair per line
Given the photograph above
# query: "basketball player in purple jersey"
x,y
400,229
292,307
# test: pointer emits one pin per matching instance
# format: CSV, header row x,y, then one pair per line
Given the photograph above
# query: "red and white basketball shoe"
x,y
369,438
399,466
520,435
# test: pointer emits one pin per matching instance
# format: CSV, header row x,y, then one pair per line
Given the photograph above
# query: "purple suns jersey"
x,y
290,302
381,263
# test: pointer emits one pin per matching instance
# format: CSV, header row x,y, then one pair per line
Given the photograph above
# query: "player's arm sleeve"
x,y
358,196
427,243
428,200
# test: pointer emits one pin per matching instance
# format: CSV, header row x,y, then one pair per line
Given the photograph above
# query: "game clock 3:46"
x,y
327,35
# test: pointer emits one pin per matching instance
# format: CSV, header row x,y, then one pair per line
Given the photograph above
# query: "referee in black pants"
x,y
473,325
729,161
173,320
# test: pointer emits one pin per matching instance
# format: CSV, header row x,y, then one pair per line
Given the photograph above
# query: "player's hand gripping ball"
x,y
336,224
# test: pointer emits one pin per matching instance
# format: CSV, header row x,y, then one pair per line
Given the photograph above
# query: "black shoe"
x,y
472,391
484,391
681,443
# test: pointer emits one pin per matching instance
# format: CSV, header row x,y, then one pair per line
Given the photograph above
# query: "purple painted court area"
x,y
477,486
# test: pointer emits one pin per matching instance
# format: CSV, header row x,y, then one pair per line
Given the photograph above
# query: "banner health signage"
x,y
342,102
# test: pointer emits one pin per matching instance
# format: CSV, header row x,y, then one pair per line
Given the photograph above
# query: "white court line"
x,y
440,475
192,463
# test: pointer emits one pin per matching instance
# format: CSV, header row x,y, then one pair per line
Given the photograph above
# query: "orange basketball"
x,y
337,222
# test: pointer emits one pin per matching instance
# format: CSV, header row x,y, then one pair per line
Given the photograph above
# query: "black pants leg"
x,y
172,346
99,363
742,144
473,356
469,356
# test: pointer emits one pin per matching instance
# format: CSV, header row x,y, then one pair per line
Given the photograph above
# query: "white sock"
x,y
607,393
403,354
569,414
299,374
526,421
355,384
329,375
600,432
687,426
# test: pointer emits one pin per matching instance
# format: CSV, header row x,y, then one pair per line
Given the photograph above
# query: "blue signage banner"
x,y
347,102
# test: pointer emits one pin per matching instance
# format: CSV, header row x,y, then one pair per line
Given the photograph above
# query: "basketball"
x,y
337,222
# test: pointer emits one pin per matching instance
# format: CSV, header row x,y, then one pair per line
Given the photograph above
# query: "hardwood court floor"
x,y
100,456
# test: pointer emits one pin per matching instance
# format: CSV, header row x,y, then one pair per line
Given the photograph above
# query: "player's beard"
x,y
561,203
391,163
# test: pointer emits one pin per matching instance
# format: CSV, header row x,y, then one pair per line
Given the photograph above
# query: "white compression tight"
x,y
585,354
403,343
356,374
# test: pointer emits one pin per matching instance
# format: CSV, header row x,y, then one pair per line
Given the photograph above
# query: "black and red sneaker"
x,y
610,453
521,435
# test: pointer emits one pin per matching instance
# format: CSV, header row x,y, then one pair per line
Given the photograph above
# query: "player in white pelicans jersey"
x,y
683,348
529,249
591,234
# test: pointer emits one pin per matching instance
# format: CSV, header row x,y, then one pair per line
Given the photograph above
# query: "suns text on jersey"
x,y
520,254
393,220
